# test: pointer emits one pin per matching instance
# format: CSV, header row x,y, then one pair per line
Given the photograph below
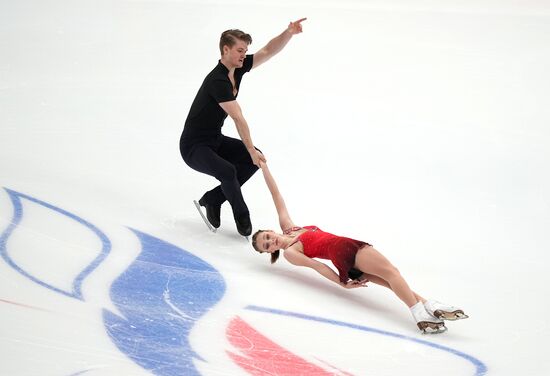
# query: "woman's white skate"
x,y
426,322
444,311
430,327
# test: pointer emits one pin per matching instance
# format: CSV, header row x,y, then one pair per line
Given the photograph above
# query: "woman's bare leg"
x,y
380,271
382,282
372,262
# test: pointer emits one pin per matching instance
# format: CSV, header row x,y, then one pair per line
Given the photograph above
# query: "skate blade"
x,y
431,327
208,224
450,316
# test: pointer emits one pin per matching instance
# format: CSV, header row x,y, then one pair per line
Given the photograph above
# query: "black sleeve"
x,y
247,63
221,90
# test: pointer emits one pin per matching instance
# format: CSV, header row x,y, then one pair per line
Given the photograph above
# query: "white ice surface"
x,y
419,126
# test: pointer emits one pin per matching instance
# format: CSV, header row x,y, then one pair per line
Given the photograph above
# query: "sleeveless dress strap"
x,y
297,239
294,242
289,230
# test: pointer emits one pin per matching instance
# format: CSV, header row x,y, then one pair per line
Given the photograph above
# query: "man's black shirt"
x,y
206,117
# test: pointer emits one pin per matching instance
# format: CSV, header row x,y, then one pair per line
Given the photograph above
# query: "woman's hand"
x,y
257,157
352,284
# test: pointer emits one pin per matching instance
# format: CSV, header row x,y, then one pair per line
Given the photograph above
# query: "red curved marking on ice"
x,y
263,356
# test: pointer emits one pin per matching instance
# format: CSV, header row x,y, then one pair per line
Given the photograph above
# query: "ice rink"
x,y
422,127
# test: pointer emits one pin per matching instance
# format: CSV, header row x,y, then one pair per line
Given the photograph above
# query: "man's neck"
x,y
229,67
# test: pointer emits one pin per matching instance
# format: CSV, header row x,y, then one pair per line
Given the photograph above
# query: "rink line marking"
x,y
24,305
18,214
343,373
260,355
86,371
481,368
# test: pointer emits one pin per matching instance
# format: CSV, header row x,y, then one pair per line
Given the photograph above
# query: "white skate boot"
x,y
444,311
427,323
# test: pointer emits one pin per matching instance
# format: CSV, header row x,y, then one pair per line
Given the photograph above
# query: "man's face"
x,y
236,54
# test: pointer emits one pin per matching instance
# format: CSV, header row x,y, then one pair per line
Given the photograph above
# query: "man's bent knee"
x,y
228,173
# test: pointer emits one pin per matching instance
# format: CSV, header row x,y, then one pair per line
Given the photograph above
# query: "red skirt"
x,y
342,254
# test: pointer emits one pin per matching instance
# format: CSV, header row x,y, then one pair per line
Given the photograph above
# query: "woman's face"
x,y
235,55
268,241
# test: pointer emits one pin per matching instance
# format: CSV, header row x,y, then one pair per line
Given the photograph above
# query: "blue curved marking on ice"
x,y
18,215
161,296
80,372
480,367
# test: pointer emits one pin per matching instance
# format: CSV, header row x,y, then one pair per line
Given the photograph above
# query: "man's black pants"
x,y
227,160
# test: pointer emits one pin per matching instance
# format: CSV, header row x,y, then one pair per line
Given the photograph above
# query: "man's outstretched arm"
x,y
276,44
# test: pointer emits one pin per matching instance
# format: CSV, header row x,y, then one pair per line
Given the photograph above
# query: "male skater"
x,y
203,146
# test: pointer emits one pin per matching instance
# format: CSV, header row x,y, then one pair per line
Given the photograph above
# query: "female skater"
x,y
357,262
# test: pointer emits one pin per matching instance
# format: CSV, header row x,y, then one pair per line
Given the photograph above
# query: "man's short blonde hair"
x,y
230,37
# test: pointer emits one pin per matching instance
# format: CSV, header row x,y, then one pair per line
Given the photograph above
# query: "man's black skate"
x,y
210,227
244,226
212,213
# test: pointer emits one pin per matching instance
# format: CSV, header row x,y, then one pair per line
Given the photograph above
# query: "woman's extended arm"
x,y
284,219
298,258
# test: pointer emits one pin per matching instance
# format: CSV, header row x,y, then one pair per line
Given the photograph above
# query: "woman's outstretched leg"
x,y
382,282
372,262
440,310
